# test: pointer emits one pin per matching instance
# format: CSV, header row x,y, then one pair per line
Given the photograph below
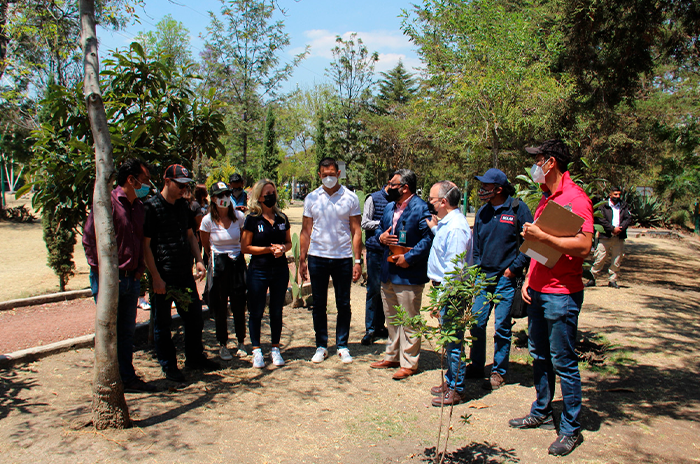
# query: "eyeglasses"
x,y
392,185
180,185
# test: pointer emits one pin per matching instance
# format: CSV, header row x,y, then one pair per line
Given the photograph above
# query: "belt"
x,y
435,283
127,273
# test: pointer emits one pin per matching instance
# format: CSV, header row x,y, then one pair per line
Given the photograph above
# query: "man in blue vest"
x,y
374,313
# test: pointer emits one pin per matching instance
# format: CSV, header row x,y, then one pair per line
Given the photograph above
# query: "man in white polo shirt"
x,y
330,231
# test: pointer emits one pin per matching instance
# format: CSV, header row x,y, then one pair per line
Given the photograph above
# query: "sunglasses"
x,y
180,185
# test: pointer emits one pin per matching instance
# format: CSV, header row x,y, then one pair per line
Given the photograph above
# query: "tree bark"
x,y
109,407
495,148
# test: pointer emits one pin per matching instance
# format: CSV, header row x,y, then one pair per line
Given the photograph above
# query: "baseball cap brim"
x,y
182,180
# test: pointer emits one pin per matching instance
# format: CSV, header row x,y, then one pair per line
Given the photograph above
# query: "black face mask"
x,y
269,200
393,194
431,209
615,200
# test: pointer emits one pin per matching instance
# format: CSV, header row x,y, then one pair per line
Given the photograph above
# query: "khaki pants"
x,y
611,247
401,346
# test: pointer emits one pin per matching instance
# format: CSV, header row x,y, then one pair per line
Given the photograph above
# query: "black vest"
x,y
379,199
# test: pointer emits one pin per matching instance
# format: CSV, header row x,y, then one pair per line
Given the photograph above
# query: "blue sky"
x,y
308,22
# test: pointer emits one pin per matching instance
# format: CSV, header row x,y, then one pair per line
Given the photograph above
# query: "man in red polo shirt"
x,y
555,297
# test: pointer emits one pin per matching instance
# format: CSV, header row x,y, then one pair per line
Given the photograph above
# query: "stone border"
x,y
43,299
88,341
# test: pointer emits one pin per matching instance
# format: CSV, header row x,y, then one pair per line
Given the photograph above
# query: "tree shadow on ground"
x,y
474,453
12,385
655,265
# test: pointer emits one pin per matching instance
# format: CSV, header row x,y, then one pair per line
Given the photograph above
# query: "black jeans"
x,y
191,321
228,284
276,280
320,271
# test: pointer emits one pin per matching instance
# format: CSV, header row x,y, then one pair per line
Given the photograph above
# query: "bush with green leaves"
x,y
646,210
60,243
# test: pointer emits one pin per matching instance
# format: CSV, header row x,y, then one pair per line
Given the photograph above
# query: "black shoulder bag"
x,y
519,308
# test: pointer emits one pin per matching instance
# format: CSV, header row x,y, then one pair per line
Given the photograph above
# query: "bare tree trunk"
x,y
109,407
495,148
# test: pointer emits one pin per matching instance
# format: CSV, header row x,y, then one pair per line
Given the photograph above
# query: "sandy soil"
x,y
643,405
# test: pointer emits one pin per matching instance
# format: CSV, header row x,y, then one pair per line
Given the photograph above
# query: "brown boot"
x,y
439,390
450,398
494,382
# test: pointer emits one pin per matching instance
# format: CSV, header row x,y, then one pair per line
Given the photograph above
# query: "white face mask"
x,y
538,174
223,202
329,181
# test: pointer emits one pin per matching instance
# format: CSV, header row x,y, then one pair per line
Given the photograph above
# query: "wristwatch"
x,y
358,261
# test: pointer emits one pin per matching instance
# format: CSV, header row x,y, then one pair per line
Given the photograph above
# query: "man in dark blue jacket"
x,y
374,312
404,223
497,228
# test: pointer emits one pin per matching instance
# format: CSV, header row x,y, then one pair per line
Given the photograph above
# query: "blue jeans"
x,y
505,289
190,315
320,270
552,326
456,369
259,280
129,290
374,310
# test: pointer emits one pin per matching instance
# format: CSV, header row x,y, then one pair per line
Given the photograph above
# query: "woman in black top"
x,y
266,237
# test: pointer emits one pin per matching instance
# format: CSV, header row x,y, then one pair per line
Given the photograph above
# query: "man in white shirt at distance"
x,y
330,232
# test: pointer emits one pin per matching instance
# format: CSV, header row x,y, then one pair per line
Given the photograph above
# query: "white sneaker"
x,y
320,355
224,353
276,356
143,304
241,351
344,354
258,360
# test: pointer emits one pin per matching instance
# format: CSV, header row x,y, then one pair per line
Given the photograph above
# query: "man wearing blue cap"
x,y
497,228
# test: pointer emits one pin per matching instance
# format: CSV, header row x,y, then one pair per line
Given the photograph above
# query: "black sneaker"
x,y
139,386
174,374
590,283
381,333
203,364
532,422
564,444
613,285
368,339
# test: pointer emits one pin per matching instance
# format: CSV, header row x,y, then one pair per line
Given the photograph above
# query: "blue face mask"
x,y
143,191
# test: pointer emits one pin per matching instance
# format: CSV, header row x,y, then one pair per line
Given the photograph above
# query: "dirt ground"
x,y
641,405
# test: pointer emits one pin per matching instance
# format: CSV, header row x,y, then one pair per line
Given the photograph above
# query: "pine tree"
x,y
270,156
397,87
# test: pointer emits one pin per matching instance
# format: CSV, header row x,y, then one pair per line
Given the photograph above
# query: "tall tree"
x,y
109,406
397,87
170,39
352,72
242,64
270,159
490,72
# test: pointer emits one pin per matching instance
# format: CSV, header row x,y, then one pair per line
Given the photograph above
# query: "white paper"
x,y
537,257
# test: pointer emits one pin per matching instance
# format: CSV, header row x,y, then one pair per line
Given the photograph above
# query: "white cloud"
x,y
387,61
322,41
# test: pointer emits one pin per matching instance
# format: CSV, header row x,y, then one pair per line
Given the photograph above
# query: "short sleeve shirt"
x,y
331,237
264,235
167,225
566,276
223,240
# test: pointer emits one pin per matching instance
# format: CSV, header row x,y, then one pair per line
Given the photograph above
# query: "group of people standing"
x,y
410,243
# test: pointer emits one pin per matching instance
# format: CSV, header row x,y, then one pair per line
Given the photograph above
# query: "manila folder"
x,y
555,220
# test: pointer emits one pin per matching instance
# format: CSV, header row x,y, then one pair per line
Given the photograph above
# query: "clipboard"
x,y
555,220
